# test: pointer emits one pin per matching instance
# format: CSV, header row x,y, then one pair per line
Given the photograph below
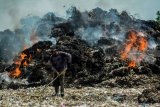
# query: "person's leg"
x,y
62,82
56,90
61,85
56,84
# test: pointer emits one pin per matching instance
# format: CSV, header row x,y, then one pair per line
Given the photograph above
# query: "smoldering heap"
x,y
106,48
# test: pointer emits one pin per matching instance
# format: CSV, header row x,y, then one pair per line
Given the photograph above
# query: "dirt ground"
x,y
79,97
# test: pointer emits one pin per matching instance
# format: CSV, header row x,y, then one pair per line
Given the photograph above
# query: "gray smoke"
x,y
33,29
91,26
13,10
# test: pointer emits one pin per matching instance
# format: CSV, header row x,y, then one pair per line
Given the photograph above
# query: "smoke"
x,y
91,26
97,23
90,34
108,29
152,43
32,29
10,44
12,11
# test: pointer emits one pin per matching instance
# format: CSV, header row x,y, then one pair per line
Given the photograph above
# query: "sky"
x,y
11,11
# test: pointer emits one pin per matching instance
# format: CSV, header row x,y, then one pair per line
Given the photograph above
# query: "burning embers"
x,y
134,48
21,60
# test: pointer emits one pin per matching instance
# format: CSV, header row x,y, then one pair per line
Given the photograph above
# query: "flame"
x,y
30,57
15,73
143,44
134,48
25,63
132,64
22,56
18,62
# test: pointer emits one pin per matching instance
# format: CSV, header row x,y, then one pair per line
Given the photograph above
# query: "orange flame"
x,y
18,62
25,63
132,64
134,48
15,73
22,56
143,44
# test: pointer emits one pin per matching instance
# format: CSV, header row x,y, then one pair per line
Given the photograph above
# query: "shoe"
x,y
62,95
54,95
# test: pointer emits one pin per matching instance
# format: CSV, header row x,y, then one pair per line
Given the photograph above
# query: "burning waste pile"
x,y
108,49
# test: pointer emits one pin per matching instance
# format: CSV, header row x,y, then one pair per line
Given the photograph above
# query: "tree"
x,y
158,17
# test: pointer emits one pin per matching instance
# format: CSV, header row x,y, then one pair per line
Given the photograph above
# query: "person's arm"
x,y
54,69
67,55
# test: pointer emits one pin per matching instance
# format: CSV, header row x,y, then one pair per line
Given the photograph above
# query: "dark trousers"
x,y
59,82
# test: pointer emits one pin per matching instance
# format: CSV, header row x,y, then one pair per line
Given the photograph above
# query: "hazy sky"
x,y
12,10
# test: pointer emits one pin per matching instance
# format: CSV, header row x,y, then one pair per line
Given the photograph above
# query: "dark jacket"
x,y
61,60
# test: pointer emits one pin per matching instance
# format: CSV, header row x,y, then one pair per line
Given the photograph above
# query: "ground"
x,y
81,97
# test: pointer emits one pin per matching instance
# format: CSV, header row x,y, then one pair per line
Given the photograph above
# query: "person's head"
x,y
54,52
